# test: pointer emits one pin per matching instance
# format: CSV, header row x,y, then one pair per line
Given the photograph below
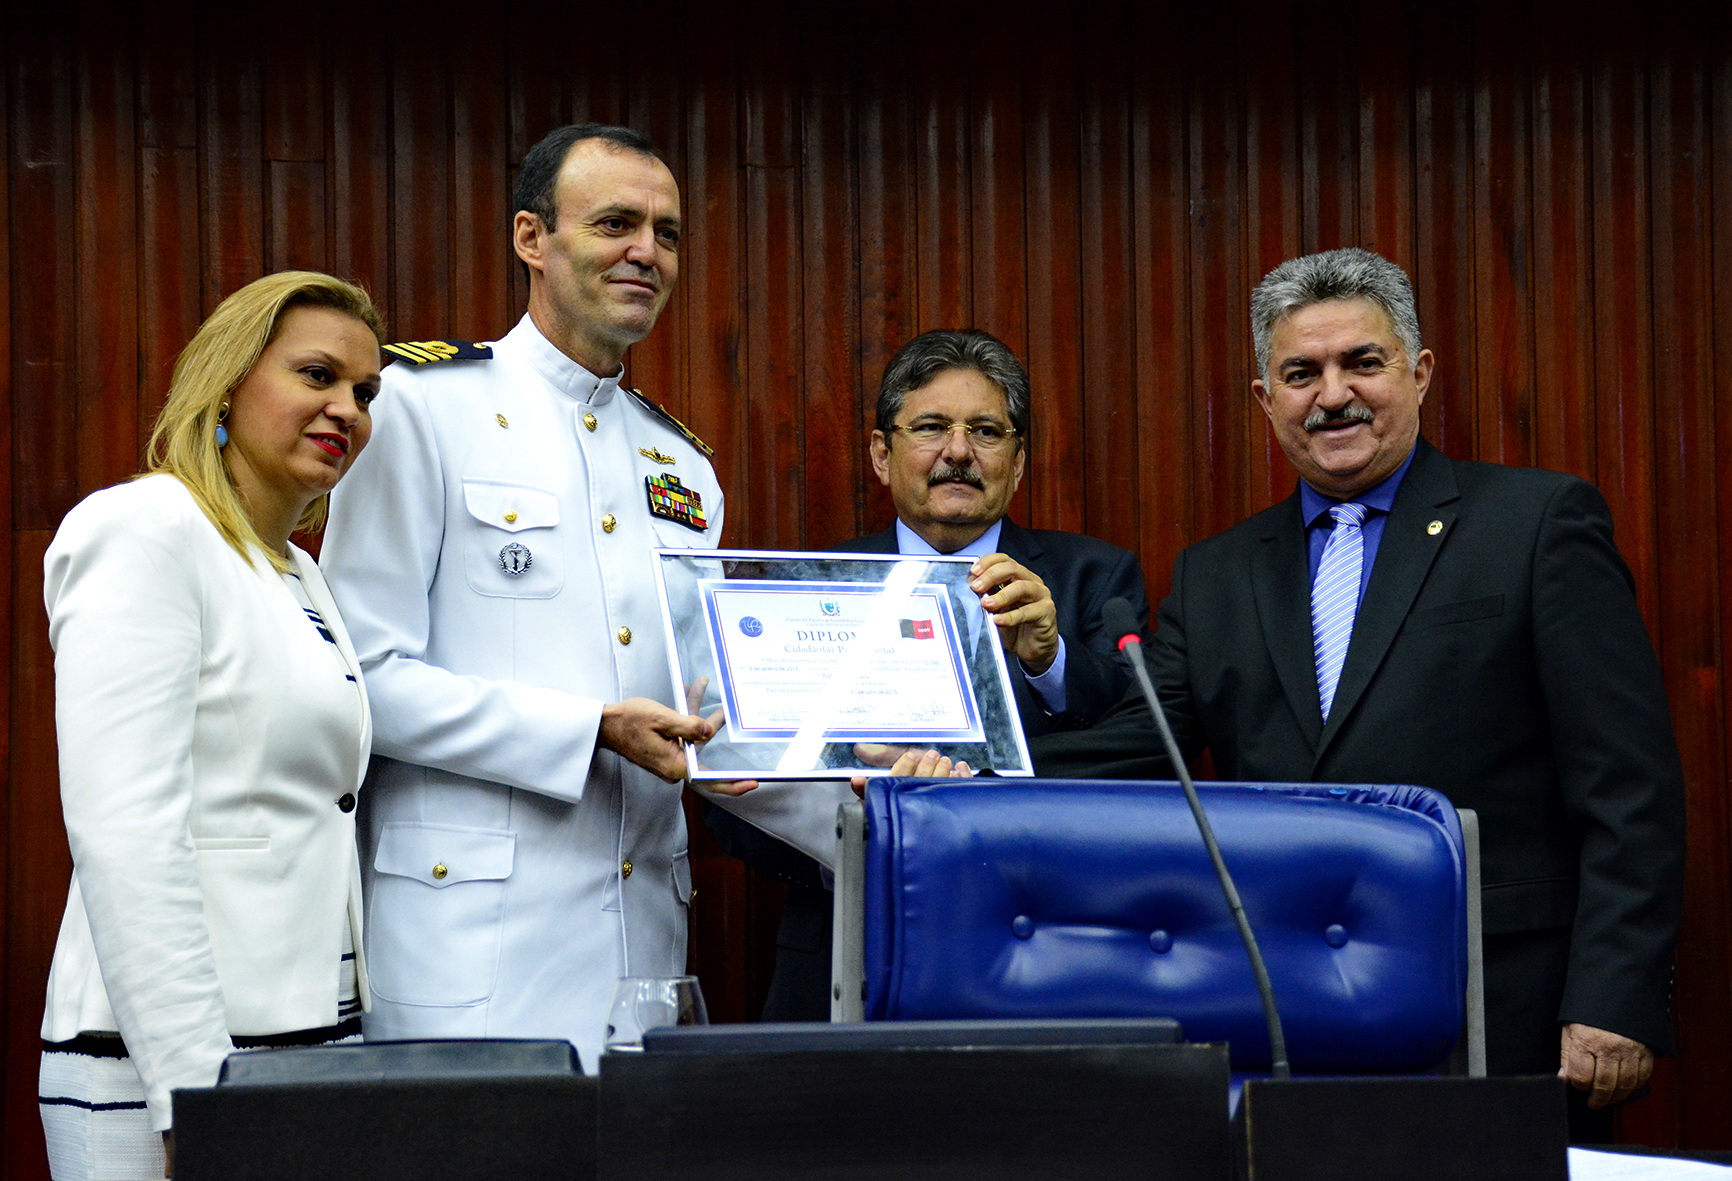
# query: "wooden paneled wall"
x,y
1098,185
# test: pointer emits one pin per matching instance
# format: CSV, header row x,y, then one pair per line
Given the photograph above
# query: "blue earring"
x,y
222,432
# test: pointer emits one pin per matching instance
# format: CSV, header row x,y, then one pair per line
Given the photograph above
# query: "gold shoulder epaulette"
x,y
428,352
679,426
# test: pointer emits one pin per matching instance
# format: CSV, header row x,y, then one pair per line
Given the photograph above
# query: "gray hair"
x,y
943,349
1350,273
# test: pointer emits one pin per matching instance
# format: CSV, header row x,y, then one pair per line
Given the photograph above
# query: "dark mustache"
x,y
948,472
1318,419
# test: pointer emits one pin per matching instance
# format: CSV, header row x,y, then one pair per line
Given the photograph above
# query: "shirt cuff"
x,y
1049,686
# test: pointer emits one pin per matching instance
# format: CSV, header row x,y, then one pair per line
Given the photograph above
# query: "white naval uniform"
x,y
496,831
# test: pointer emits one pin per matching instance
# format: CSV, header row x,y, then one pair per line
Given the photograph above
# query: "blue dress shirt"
x,y
1314,509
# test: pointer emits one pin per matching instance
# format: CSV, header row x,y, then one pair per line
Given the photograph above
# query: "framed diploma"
x,y
827,666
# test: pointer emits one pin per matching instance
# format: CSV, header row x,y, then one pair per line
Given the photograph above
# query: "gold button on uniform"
x,y
607,523
589,421
510,517
625,870
624,635
439,871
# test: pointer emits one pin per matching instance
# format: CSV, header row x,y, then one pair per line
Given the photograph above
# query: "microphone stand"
x,y
1265,993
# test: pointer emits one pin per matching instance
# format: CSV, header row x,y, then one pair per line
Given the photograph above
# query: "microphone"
x,y
1120,621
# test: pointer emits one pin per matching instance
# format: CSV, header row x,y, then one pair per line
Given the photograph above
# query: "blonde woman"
x,y
213,732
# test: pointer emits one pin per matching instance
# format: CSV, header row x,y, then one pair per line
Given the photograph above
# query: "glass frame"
x,y
825,665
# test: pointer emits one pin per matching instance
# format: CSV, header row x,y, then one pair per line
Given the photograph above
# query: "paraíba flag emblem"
x,y
917,629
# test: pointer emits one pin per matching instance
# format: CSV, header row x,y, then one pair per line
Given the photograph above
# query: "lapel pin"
x,y
500,419
1434,528
515,559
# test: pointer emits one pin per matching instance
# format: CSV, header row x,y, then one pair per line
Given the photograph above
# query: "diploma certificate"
x,y
824,666
852,661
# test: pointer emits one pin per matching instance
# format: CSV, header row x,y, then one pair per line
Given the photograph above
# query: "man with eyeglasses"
x,y
1468,627
951,444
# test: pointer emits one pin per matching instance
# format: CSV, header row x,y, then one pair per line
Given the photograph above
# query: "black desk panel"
x,y
1406,1128
918,1114
539,1129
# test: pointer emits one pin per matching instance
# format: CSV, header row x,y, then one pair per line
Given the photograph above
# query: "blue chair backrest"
x,y
1026,898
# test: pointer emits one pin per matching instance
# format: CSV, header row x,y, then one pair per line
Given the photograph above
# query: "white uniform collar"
x,y
559,370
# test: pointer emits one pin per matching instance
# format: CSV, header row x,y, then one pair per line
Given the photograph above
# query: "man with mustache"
x,y
525,844
1405,618
951,444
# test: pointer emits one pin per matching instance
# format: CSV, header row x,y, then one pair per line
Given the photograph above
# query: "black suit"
x,y
1082,573
1499,657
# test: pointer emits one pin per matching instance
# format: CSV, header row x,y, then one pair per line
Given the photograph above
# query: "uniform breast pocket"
x,y
512,548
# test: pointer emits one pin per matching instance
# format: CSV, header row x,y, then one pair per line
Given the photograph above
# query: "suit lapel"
x,y
882,542
1280,576
1019,543
1410,545
319,594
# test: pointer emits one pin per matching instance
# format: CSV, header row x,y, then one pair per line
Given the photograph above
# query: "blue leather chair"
x,y
1021,898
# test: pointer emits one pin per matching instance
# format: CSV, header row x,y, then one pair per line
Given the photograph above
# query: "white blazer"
x,y
210,749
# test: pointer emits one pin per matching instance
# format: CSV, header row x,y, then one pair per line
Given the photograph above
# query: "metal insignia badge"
x,y
672,500
515,558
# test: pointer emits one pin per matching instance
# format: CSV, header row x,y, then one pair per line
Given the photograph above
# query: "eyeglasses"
x,y
982,436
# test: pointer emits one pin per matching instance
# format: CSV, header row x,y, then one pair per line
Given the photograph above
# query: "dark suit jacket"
x,y
1082,573
1499,657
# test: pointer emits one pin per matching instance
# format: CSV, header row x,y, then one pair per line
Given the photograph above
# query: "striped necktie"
x,y
977,629
1335,598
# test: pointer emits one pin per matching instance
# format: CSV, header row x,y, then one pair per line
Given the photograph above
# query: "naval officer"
x,y
524,844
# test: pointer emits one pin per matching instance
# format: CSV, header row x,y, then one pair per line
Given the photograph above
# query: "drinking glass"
x,y
651,1002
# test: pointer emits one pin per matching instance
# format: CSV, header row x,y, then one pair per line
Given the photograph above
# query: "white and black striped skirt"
x,y
93,1110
